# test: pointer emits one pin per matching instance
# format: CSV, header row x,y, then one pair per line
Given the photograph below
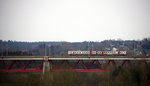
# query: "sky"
x,y
74,20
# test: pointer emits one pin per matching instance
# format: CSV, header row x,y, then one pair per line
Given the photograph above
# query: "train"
x,y
97,53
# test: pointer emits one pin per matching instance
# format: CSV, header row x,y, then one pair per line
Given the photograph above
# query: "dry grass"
x,y
135,75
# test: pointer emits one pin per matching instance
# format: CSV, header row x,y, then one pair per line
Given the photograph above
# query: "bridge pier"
x,y
46,65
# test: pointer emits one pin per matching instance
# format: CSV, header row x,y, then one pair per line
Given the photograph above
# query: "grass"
x,y
136,75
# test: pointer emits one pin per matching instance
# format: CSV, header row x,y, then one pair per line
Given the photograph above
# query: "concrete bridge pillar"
x,y
46,65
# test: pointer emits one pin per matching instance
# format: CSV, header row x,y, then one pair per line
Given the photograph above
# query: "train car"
x,y
82,53
78,53
97,53
123,53
114,53
102,53
110,53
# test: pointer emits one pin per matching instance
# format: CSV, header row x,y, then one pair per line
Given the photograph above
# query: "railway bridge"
x,y
66,63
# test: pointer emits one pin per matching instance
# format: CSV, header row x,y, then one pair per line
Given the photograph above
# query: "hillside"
x,y
60,48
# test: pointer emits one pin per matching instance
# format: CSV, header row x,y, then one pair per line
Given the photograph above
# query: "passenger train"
x,y
97,53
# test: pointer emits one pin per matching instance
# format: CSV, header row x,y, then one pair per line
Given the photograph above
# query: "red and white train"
x,y
97,53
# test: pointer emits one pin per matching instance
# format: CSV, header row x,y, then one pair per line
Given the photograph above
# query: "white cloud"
x,y
74,20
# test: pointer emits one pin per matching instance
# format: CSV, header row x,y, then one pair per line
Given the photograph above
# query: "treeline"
x,y
14,53
136,47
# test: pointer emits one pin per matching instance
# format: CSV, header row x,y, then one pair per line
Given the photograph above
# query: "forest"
x,y
11,48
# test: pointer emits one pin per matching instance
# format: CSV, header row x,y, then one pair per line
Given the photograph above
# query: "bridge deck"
x,y
74,58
